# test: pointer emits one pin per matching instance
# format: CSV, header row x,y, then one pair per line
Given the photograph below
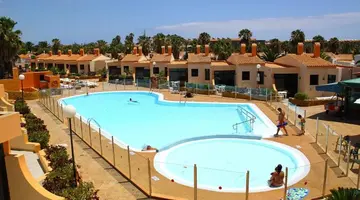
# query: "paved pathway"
x,y
92,167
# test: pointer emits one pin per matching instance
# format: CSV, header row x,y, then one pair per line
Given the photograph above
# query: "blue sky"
x,y
89,20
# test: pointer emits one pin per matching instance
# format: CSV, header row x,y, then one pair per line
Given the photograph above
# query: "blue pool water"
x,y
160,123
234,157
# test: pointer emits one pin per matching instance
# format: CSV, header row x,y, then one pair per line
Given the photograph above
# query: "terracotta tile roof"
x,y
25,56
198,58
243,59
161,58
131,58
54,58
274,65
43,55
220,64
87,57
179,62
73,57
343,57
304,59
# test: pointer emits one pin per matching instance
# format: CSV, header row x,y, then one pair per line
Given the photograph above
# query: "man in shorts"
x,y
281,122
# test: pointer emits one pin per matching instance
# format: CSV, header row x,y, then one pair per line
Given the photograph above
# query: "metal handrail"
x,y
249,118
92,119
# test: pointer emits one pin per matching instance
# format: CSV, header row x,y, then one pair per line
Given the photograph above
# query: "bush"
x,y
59,179
57,156
344,193
85,190
42,137
301,96
21,106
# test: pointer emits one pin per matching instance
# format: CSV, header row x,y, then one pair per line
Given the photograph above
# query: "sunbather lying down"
x,y
149,148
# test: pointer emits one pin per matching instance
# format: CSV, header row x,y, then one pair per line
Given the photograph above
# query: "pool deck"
x,y
91,170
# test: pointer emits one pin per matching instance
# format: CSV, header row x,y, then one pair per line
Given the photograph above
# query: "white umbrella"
x,y
357,101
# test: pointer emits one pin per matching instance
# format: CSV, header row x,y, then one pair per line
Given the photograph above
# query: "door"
x,y
141,73
225,77
287,82
179,74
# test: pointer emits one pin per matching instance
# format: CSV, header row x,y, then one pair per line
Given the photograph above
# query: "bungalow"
x,y
199,66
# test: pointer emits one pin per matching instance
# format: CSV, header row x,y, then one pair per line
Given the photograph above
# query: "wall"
x,y
22,184
10,126
11,84
201,73
22,143
252,83
323,79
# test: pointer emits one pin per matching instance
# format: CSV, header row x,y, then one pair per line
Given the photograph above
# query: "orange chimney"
x,y
162,49
135,50
69,52
253,49
50,53
243,48
81,52
59,52
15,72
300,48
317,49
197,49
207,50
140,50
97,51
169,50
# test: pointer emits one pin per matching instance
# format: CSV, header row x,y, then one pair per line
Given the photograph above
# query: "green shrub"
x,y
301,96
42,137
57,156
59,179
85,190
29,116
344,193
21,106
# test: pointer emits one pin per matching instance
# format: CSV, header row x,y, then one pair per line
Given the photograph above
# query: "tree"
x,y
275,45
270,55
116,40
344,194
158,41
28,47
285,46
10,44
223,48
176,42
320,39
296,37
204,38
56,45
129,43
102,45
145,42
333,45
346,47
76,48
89,47
245,36
116,47
42,46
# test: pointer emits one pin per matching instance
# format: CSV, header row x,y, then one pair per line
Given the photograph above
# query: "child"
x,y
302,124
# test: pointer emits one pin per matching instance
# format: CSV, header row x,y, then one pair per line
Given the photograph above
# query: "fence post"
x,y
340,149
250,93
128,150
266,95
325,176
195,182
101,150
327,138
286,182
90,134
208,87
295,116
137,84
149,84
81,128
62,113
235,92
113,149
304,118
317,129
196,86
149,171
247,185
348,159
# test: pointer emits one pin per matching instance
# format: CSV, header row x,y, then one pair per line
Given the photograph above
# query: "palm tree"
x,y
345,194
102,45
10,44
223,48
116,40
29,46
56,44
129,43
176,42
333,45
204,38
270,55
89,47
116,47
275,45
285,46
245,36
346,47
296,37
158,41
145,42
42,46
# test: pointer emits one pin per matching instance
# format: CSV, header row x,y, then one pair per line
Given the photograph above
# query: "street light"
x,y
258,66
69,112
22,77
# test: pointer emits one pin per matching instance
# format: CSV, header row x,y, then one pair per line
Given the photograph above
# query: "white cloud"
x,y
316,24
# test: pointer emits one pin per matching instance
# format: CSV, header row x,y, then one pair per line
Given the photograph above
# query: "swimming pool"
x,y
160,123
234,157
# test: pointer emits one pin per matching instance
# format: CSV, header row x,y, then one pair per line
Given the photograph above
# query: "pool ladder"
x,y
92,119
250,118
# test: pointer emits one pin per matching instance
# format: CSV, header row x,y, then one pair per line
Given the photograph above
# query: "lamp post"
x,y
22,77
154,64
69,112
258,66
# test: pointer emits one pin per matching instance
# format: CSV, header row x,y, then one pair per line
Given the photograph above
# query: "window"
x,y
82,67
166,71
207,74
314,79
261,75
331,78
126,68
42,77
156,70
194,72
246,76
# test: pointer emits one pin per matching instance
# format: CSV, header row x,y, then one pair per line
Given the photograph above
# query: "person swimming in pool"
x,y
133,101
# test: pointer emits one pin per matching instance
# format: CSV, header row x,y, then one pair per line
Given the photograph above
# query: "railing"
x,y
249,118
